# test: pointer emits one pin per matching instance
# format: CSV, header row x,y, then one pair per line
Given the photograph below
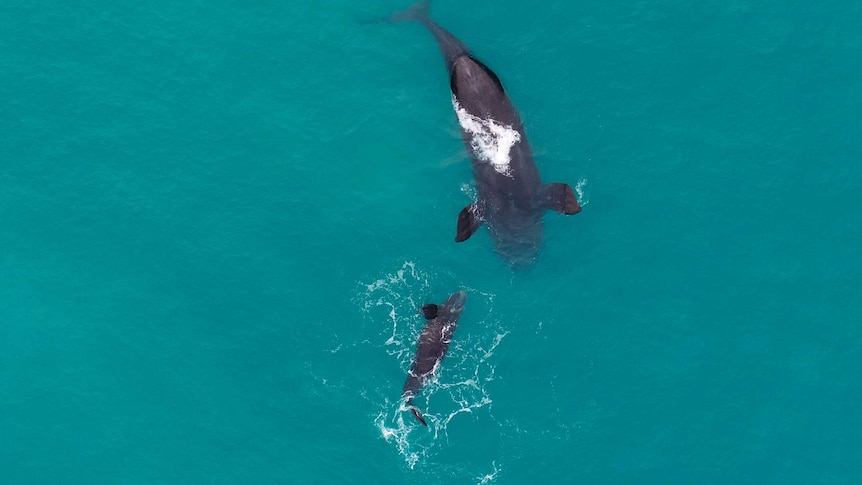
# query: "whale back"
x,y
433,342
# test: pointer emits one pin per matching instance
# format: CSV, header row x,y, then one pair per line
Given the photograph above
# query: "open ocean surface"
x,y
217,220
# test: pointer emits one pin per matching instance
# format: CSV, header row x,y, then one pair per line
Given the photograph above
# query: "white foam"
x,y
398,434
490,477
491,140
579,189
490,351
469,190
394,294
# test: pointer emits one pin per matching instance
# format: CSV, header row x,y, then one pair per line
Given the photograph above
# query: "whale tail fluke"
x,y
560,198
418,12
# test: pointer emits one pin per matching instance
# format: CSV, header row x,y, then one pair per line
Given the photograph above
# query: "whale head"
x,y
454,305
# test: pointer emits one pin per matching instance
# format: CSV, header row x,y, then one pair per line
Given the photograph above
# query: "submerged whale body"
x,y
511,196
431,346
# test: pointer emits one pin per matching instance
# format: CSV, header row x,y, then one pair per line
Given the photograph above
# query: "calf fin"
x,y
430,311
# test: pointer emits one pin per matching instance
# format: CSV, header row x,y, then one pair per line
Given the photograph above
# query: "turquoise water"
x,y
217,219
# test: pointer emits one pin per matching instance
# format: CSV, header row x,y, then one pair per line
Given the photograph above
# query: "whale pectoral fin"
x,y
559,197
468,222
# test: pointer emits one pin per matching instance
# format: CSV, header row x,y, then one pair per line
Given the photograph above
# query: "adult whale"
x,y
511,196
431,346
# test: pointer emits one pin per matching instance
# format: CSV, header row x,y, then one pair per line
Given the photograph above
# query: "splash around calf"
x,y
432,345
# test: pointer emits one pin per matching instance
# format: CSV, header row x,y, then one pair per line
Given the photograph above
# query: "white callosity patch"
x,y
491,141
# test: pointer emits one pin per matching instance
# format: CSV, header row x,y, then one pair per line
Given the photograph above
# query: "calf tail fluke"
x,y
418,12
413,409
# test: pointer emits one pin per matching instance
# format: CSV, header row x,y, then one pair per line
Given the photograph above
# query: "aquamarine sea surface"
x,y
217,221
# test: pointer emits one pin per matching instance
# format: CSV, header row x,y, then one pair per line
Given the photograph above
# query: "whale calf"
x,y
431,346
511,196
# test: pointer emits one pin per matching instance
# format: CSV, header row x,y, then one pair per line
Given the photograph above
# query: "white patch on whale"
x,y
491,141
